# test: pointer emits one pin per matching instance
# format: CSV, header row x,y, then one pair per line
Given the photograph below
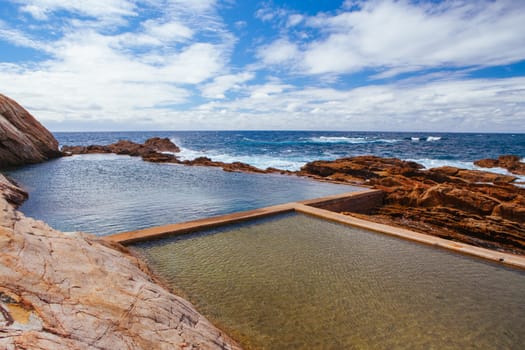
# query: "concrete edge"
x,y
156,232
463,248
313,207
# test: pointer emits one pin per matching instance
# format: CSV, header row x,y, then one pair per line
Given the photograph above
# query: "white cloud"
x,y
96,74
140,69
442,105
294,20
168,31
224,83
40,9
36,12
404,36
279,52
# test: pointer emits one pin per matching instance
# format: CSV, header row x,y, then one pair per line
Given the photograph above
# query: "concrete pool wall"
x,y
325,208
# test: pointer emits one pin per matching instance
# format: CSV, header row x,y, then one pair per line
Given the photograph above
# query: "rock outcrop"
x,y
154,150
512,163
23,140
476,207
76,291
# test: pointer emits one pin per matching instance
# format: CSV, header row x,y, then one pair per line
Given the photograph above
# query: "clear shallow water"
x,y
105,194
295,282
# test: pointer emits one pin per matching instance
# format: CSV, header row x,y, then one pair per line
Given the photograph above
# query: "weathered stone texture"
x,y
23,139
75,291
475,207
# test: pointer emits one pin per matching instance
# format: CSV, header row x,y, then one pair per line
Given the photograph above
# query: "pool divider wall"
x,y
326,208
356,202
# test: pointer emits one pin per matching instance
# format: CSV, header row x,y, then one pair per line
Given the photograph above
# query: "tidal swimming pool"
x,y
106,193
297,282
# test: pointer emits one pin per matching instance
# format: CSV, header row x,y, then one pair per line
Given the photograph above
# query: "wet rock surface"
x,y
475,207
23,140
512,163
76,291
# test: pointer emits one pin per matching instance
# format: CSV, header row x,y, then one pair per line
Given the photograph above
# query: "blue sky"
x,y
383,65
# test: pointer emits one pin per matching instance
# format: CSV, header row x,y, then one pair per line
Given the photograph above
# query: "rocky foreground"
x,y
475,207
76,291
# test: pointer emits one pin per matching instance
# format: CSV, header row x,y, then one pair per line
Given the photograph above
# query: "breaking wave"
x,y
351,140
259,161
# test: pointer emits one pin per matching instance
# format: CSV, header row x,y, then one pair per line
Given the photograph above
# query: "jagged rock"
x,y
162,145
12,192
362,167
512,163
153,151
471,175
76,291
475,207
152,146
23,140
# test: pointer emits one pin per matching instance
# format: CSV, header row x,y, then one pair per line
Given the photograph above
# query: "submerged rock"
x,y
23,140
471,206
77,291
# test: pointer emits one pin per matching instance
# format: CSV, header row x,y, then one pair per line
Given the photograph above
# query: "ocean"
x,y
106,193
290,150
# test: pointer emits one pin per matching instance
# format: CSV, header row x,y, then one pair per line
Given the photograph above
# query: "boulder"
x,y
161,145
23,140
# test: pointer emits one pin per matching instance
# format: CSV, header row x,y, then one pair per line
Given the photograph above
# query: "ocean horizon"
x,y
291,149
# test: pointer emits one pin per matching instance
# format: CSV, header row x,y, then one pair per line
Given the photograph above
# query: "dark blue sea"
x,y
105,194
292,149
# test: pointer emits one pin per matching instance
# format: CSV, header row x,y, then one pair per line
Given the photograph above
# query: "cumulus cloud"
x,y
173,64
221,84
40,9
94,73
402,36
279,52
468,105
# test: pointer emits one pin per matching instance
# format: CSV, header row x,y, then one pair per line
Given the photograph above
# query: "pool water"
x,y
106,193
298,282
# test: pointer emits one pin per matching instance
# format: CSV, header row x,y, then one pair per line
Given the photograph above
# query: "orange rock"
x,y
475,207
512,163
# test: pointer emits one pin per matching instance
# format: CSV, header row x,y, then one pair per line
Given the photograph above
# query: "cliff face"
x,y
23,139
75,291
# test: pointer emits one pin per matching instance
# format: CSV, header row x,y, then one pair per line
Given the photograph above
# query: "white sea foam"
x,y
433,138
436,163
259,161
351,140
415,138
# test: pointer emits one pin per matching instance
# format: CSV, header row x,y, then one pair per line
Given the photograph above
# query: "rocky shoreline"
x,y
476,207
77,291
74,290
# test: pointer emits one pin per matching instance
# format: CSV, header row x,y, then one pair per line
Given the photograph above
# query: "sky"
x,y
378,65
